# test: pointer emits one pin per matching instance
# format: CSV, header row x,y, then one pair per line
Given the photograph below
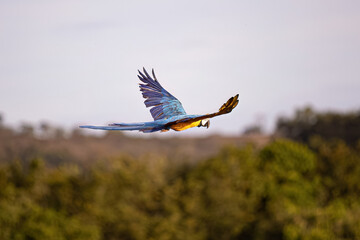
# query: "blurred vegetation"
x,y
278,189
330,125
283,191
58,146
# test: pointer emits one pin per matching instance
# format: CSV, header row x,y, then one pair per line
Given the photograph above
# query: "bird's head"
x,y
204,123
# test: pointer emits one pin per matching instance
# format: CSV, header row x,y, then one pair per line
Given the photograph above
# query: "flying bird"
x,y
167,110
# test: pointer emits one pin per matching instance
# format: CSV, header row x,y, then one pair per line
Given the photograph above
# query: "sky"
x,y
75,62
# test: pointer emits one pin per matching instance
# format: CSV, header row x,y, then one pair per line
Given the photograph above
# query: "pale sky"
x,y
75,62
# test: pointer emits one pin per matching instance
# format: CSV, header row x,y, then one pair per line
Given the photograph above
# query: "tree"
x,y
330,125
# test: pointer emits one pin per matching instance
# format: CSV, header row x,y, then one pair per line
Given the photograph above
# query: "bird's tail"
x,y
143,127
112,127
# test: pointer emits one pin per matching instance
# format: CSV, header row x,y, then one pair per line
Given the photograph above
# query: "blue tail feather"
x,y
142,126
123,128
127,124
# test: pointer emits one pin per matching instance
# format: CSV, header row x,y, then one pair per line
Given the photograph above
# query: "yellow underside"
x,y
184,126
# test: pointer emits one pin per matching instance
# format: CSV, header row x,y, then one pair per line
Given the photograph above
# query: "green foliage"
x,y
285,190
219,196
330,125
289,195
23,214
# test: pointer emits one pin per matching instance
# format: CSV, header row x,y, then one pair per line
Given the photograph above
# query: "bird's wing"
x,y
163,104
224,109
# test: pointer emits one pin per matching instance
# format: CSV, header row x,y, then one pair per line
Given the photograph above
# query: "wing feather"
x,y
163,104
224,109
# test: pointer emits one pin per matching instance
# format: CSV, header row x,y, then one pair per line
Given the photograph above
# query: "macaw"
x,y
166,110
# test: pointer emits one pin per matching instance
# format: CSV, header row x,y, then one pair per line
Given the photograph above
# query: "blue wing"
x,y
224,109
163,104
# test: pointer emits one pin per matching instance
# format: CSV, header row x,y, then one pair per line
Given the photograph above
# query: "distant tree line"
x,y
57,146
330,125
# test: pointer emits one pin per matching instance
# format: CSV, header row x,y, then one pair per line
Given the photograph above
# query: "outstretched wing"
x,y
163,104
224,109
